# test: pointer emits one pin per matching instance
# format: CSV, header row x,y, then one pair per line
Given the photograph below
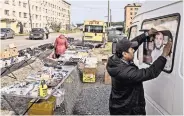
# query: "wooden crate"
x,y
89,75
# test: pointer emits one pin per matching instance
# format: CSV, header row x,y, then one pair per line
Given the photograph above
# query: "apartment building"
x,y
16,13
130,12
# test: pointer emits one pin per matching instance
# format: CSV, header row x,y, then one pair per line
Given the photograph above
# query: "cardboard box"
x,y
14,52
104,59
89,75
12,45
107,77
43,107
5,53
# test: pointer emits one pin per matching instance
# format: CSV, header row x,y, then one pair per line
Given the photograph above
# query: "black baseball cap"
x,y
124,44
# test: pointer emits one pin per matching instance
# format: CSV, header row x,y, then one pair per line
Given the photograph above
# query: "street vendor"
x,y
60,46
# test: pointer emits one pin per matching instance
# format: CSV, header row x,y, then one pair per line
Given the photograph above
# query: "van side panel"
x,y
164,95
178,90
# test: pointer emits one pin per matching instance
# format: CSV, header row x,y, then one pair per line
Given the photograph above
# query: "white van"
x,y
164,95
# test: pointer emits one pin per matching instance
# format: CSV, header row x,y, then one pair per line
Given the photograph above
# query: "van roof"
x,y
148,6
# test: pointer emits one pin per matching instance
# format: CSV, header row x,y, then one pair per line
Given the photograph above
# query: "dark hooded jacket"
x,y
127,93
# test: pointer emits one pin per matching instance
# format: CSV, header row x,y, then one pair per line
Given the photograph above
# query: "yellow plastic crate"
x,y
108,46
89,75
43,107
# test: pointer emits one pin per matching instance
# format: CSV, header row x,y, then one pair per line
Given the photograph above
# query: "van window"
x,y
93,29
153,47
133,32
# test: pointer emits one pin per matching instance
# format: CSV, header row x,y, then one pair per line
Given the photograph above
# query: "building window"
x,y
20,14
13,2
130,13
36,16
40,9
24,24
36,8
136,8
135,13
131,8
19,3
24,5
25,15
14,13
6,1
6,12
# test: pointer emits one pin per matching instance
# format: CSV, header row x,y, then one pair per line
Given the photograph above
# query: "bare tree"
x,y
55,26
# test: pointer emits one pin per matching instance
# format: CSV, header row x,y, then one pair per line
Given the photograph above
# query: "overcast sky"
x,y
97,9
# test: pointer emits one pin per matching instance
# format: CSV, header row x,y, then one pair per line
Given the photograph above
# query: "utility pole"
x,y
110,18
30,14
108,14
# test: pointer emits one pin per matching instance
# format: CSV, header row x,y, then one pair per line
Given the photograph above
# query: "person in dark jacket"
x,y
127,93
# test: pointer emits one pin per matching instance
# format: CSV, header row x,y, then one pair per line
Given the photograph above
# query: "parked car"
x,y
114,34
6,33
37,33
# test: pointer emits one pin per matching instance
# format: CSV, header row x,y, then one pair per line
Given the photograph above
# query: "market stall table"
x,y
67,69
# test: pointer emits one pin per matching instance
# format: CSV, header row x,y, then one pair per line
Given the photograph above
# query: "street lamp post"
x,y
108,14
30,18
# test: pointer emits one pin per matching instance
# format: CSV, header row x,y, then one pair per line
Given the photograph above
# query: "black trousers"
x,y
114,111
57,55
47,35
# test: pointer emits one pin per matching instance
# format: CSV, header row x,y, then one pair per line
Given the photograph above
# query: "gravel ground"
x,y
94,97
93,101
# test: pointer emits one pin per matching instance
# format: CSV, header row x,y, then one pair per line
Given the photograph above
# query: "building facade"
x,y
16,13
130,12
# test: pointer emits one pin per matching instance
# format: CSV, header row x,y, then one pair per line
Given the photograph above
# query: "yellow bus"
x,y
94,32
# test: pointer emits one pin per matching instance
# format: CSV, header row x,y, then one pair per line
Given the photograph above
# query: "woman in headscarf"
x,y
60,45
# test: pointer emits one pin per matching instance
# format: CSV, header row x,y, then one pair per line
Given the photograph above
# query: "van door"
x,y
160,92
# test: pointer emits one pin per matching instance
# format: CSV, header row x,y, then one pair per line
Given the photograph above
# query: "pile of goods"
x,y
12,55
47,79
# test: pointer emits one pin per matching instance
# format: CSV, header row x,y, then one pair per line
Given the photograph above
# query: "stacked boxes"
x,y
5,54
12,51
89,71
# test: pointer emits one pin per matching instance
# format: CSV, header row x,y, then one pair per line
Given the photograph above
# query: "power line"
x,y
83,7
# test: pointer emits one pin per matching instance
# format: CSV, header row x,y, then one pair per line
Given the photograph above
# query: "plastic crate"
x,y
43,107
89,75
